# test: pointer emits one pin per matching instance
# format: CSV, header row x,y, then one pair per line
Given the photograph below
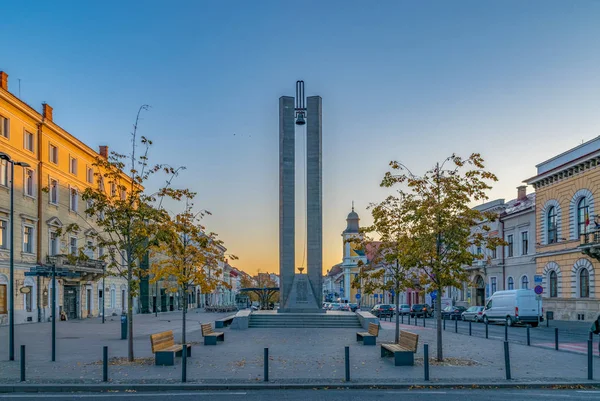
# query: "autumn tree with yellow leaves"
x,y
187,256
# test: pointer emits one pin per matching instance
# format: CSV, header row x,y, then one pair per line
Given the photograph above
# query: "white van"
x,y
513,306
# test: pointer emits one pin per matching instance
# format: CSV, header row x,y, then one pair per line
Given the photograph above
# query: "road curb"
x,y
99,388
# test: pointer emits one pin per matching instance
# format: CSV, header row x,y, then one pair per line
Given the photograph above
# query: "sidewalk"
x,y
297,356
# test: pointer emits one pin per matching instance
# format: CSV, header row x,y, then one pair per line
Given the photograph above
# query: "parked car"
x,y
404,309
335,306
383,310
423,310
473,314
353,307
453,312
345,307
513,306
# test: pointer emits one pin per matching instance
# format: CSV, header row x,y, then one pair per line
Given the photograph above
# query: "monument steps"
x,y
301,320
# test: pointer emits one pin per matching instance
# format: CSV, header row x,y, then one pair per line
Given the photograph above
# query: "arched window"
x,y
584,283
582,216
511,283
551,225
553,284
524,283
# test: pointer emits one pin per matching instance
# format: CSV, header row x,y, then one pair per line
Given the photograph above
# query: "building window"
x,y
53,191
90,175
551,224
113,189
524,283
3,234
3,299
73,199
4,173
29,182
27,239
53,246
100,252
73,246
553,284
494,285
123,299
89,249
53,154
524,242
584,283
123,194
510,241
511,283
582,216
113,298
494,253
4,127
28,139
73,165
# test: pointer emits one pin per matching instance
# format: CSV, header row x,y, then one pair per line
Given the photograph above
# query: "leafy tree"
x,y
128,219
187,256
431,220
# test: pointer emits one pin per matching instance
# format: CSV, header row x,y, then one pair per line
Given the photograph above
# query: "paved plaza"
x,y
296,356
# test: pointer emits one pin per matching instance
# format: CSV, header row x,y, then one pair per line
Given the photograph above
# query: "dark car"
x,y
382,310
353,307
422,310
453,312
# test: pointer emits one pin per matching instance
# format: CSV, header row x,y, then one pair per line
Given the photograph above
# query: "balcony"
x,y
89,269
589,244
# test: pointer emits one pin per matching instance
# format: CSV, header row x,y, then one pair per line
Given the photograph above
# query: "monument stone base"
x,y
302,298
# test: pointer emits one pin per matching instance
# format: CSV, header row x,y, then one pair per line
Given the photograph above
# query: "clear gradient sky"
x,y
518,81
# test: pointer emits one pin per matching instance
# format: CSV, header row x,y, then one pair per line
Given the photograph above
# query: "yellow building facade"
x,y
47,199
566,189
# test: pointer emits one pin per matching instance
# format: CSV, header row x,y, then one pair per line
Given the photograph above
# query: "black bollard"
x,y
423,320
444,319
486,329
556,338
402,318
507,360
184,364
528,337
590,360
505,331
105,364
266,364
416,317
22,363
469,327
409,319
347,352
426,360
456,326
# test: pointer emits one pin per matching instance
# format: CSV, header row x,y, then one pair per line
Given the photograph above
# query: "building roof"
x,y
352,220
518,205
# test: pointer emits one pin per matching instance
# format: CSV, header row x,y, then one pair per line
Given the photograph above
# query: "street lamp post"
x,y
11,312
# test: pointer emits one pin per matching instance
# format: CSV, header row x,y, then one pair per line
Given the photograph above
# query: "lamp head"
x,y
4,156
22,164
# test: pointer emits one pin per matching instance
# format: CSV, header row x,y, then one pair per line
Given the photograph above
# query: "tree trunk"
x,y
129,309
397,296
184,310
438,318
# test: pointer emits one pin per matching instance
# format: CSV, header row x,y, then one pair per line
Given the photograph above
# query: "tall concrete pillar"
x,y
314,195
286,196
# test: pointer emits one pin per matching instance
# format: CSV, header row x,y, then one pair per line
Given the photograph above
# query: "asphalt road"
x,y
326,395
572,336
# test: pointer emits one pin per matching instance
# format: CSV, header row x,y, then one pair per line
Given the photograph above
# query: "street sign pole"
x,y
54,312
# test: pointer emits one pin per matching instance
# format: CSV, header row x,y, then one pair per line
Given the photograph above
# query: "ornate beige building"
x,y
566,187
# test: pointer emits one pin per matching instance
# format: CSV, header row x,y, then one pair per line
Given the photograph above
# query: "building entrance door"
x,y
70,302
3,303
163,300
89,301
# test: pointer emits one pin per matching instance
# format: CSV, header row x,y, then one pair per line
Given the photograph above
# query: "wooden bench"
x,y
368,337
404,352
164,348
211,337
224,322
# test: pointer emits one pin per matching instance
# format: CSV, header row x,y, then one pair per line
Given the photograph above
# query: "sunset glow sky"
x,y
518,82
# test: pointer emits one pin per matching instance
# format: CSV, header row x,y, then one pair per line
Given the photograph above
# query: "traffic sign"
x,y
537,278
538,297
433,295
357,296
539,289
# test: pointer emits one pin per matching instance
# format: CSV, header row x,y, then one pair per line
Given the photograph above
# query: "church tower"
x,y
352,253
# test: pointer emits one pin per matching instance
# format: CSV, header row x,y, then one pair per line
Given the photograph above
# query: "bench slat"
x,y
160,341
409,341
374,329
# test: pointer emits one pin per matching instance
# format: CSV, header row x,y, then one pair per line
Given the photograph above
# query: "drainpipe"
x,y
39,216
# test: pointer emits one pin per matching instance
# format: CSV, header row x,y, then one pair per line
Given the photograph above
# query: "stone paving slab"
x,y
296,356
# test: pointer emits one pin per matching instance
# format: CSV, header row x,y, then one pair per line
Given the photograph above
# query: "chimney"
x,y
104,151
47,111
3,80
521,192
